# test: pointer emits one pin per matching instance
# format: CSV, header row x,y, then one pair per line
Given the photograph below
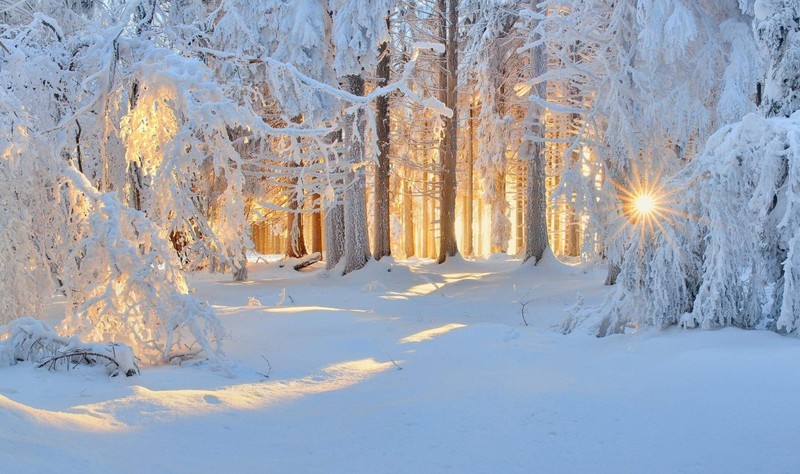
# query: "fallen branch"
x,y
308,261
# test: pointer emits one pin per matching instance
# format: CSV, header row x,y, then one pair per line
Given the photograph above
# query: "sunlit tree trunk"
x,y
316,225
468,217
408,216
425,226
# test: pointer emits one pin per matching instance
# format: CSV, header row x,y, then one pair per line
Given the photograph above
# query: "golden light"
x,y
647,203
644,204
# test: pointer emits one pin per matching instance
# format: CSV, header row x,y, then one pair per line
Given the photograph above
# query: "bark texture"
x,y
449,147
356,238
536,202
381,234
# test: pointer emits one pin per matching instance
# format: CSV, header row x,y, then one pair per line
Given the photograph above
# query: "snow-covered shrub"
x,y
123,284
29,339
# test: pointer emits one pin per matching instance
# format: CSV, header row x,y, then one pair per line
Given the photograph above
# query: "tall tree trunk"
x,y
381,202
519,194
425,227
536,204
356,239
447,216
468,217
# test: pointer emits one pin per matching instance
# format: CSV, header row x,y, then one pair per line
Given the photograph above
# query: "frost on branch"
x,y
28,339
123,284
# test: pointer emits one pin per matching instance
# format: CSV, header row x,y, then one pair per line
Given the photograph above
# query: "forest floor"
x,y
417,367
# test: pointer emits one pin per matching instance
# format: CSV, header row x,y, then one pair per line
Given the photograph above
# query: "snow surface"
x,y
478,390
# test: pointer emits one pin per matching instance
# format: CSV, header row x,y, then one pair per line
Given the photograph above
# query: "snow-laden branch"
x,y
400,84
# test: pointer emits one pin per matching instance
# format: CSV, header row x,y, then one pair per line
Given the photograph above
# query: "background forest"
x,y
145,139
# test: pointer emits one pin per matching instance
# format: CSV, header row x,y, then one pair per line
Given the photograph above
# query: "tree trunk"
x,y
295,243
316,226
408,216
240,267
334,231
468,217
381,205
425,227
356,239
447,215
536,205
519,210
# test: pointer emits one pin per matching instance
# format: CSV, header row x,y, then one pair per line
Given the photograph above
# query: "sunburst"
x,y
647,203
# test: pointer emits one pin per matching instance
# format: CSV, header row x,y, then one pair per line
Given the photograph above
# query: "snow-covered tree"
x,y
534,148
727,256
493,43
359,28
620,71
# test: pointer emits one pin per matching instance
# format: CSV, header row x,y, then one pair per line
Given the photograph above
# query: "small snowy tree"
x,y
123,284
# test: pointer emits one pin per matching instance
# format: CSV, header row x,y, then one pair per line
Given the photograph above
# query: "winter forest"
x,y
399,235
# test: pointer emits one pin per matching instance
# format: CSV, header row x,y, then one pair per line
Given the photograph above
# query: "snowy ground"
x,y
419,368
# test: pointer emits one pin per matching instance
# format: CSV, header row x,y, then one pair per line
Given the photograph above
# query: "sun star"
x,y
644,204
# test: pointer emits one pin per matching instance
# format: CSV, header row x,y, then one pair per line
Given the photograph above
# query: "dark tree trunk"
x,y
381,203
449,147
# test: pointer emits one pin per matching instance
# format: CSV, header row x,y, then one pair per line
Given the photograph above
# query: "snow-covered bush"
x,y
658,279
29,339
123,284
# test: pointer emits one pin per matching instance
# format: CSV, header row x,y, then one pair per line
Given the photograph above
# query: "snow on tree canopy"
x,y
178,135
778,30
359,27
748,204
